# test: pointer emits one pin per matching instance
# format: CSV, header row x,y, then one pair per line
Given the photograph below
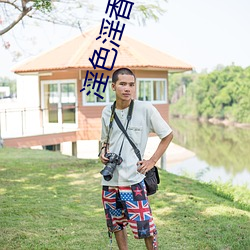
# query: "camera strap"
x,y
114,116
136,150
110,125
106,143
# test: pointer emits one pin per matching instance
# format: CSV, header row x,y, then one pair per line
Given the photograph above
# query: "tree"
x,y
70,12
222,94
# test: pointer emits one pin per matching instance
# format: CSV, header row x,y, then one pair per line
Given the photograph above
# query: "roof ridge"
x,y
30,59
74,53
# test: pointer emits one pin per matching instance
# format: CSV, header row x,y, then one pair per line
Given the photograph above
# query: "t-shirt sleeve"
x,y
157,124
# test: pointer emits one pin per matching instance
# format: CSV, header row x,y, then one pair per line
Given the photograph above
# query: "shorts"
x,y
128,205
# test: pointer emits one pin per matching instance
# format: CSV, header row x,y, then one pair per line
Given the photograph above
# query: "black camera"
x,y
109,169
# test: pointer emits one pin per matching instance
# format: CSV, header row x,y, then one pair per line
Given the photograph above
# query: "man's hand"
x,y
103,151
103,159
145,165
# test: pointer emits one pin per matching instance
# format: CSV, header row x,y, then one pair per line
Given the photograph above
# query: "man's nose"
x,y
127,88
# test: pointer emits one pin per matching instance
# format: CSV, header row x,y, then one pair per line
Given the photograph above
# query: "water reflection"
x,y
222,153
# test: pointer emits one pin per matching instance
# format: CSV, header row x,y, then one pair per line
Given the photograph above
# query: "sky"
x,y
203,33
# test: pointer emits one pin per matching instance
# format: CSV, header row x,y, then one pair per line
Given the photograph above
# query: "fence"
x,y
19,122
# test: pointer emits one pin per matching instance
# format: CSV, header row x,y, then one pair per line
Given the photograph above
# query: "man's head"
x,y
121,71
123,83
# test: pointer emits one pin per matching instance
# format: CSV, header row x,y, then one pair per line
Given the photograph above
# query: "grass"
x,y
51,201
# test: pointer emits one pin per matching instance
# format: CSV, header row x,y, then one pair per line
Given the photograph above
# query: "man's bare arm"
x,y
146,165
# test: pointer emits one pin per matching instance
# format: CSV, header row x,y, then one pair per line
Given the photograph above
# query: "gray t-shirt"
x,y
145,119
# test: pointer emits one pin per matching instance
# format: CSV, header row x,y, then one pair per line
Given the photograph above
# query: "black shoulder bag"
x,y
152,178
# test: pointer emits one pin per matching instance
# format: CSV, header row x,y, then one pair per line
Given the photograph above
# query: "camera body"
x,y
109,169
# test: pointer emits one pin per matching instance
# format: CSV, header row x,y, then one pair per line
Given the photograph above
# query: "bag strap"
x,y
137,151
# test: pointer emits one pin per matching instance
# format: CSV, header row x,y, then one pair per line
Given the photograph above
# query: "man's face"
x,y
124,87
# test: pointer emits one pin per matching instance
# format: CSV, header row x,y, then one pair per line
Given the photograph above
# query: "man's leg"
x,y
151,243
122,239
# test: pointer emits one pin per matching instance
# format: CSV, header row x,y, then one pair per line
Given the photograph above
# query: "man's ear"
x,y
113,86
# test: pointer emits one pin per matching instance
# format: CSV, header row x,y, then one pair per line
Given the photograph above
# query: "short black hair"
x,y
121,71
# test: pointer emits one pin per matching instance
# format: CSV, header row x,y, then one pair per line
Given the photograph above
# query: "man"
x,y
124,196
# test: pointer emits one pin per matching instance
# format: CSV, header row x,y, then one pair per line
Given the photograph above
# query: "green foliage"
x,y
43,5
7,82
178,80
75,13
222,94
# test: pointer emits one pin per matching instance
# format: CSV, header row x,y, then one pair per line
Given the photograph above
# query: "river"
x,y
221,153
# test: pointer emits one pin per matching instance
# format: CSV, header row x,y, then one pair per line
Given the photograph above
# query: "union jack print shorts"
x,y
128,205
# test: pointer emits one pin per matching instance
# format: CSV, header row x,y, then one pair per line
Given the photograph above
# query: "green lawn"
x,y
51,201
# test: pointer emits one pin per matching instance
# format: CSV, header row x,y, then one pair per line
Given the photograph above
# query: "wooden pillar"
x,y
74,148
164,161
100,146
1,140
